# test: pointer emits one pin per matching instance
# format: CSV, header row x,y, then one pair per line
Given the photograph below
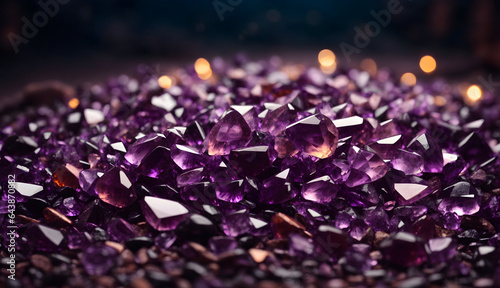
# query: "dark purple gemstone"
x,y
332,241
115,188
386,147
355,126
187,157
278,189
99,259
142,147
404,249
441,250
232,191
276,121
236,223
120,230
250,161
44,238
474,149
221,244
156,164
365,167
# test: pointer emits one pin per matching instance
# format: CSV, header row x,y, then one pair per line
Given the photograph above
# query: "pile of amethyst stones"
x,y
264,175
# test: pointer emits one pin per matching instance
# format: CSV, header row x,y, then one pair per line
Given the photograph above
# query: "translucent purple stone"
x,y
320,190
231,132
163,214
115,188
278,189
430,151
315,135
404,249
99,259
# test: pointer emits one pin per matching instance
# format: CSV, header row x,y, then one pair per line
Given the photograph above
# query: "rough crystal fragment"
x,y
250,161
163,214
137,151
156,164
276,121
231,132
187,157
115,188
430,151
321,190
278,189
315,135
365,167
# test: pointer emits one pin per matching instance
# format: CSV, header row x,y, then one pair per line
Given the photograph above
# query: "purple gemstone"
x,y
156,164
320,190
386,147
276,121
236,223
232,191
44,238
115,188
277,189
332,241
300,245
408,193
120,230
187,157
411,163
404,249
377,218
315,135
142,147
221,244
366,167
441,250
249,114
250,161
474,149
430,151
190,177
98,260
355,126
194,134
163,214
231,132
463,199
165,240
87,178
70,207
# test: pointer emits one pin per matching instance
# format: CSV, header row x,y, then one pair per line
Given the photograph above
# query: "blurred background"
x,y
88,41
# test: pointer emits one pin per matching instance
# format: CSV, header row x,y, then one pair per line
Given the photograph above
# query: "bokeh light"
x,y
73,103
326,57
202,68
474,93
428,64
409,79
165,82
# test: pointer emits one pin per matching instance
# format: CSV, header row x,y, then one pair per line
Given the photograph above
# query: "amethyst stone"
x,y
315,135
232,131
163,214
278,189
115,188
404,249
321,190
250,161
430,151
99,259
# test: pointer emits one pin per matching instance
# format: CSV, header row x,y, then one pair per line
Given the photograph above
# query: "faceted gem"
x,y
411,163
137,151
194,134
165,240
441,250
190,177
87,178
409,193
474,149
332,241
386,148
284,147
315,135
115,188
66,176
70,207
377,218
320,190
221,244
196,228
156,164
163,214
259,227
99,259
249,114
462,199
404,249
277,189
43,238
276,121
120,230
232,191
236,223
300,245
365,167
355,126
232,131
250,161
430,151
187,157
